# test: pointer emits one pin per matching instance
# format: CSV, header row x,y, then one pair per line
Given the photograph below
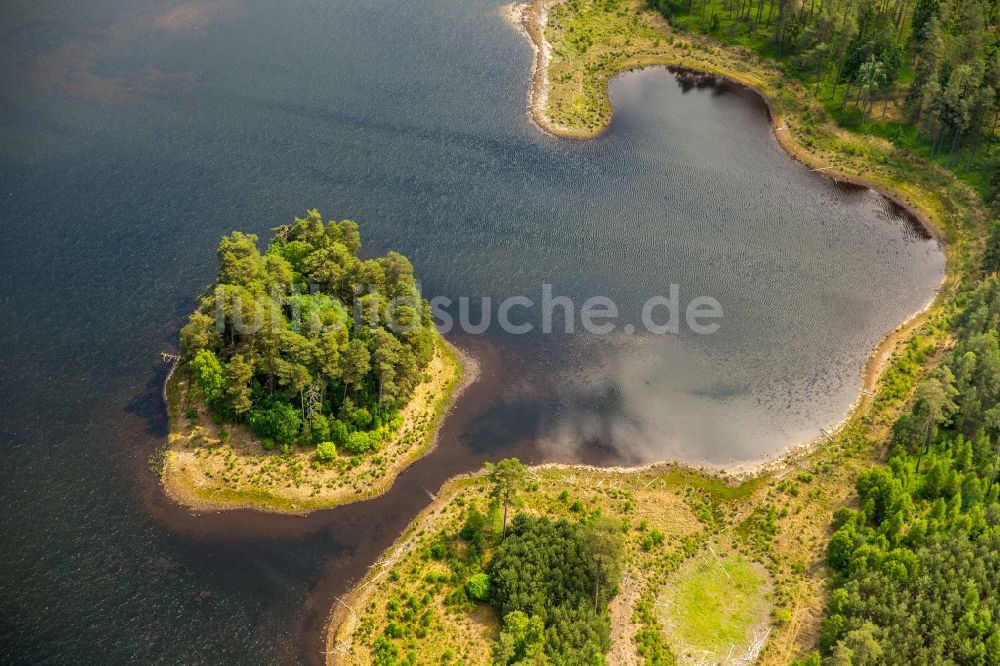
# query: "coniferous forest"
x,y
308,343
917,566
924,74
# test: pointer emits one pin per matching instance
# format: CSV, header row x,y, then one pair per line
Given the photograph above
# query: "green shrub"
x,y
338,431
808,660
476,530
279,421
208,374
361,418
361,442
478,587
384,651
319,429
326,451
652,540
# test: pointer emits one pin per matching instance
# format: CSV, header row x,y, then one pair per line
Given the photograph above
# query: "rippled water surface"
x,y
133,134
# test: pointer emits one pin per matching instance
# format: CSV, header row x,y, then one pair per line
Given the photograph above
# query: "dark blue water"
x,y
133,134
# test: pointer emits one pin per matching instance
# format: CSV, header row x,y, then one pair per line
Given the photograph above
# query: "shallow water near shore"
x,y
132,135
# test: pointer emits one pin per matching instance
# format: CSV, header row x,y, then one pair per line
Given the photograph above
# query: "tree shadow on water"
x,y
149,406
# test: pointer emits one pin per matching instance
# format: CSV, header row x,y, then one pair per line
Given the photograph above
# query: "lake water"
x,y
133,134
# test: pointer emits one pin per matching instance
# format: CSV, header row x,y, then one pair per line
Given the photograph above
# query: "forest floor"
x,y
748,552
205,474
740,567
650,500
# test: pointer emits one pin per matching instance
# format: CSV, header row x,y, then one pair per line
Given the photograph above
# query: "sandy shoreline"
x,y
344,614
348,610
189,475
530,19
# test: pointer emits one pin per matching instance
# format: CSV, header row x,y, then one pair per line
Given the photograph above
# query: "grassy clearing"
x,y
784,520
776,523
713,609
660,526
773,527
202,471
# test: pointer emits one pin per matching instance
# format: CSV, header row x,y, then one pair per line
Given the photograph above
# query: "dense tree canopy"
x,y
918,565
546,588
942,55
550,581
307,342
506,478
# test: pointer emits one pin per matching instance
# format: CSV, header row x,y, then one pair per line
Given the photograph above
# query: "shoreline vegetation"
x,y
308,376
676,522
683,528
201,472
565,102
667,513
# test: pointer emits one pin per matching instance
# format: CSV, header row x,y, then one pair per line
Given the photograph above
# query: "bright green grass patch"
x,y
713,606
590,40
719,489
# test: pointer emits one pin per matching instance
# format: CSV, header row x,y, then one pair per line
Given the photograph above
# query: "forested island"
x,y
308,376
881,544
